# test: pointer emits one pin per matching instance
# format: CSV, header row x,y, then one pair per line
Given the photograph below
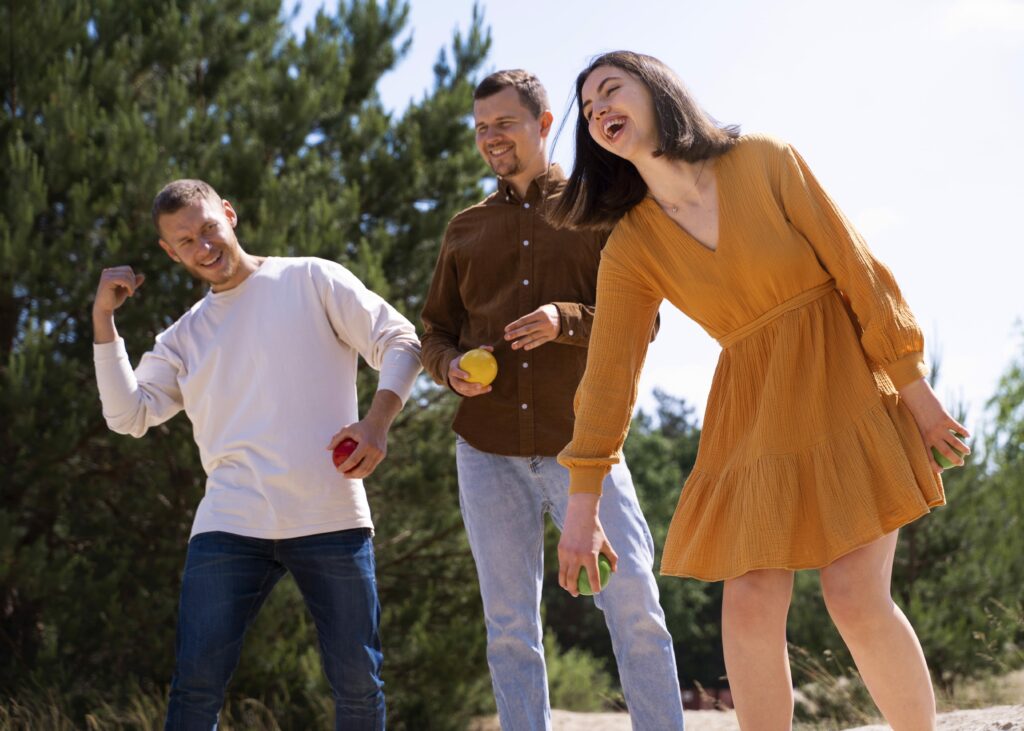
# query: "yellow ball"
x,y
480,365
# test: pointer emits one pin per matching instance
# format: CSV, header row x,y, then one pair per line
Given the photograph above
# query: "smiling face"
x,y
619,111
201,237
509,137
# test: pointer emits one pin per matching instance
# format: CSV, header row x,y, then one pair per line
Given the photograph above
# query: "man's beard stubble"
x,y
505,169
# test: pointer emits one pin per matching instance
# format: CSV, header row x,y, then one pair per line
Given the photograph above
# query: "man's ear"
x,y
170,252
230,214
546,119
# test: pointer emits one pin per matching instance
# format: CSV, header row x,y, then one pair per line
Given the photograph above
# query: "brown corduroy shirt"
x,y
500,260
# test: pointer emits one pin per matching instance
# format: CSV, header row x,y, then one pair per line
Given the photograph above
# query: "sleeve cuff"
x,y
398,372
571,332
442,378
437,365
587,479
907,369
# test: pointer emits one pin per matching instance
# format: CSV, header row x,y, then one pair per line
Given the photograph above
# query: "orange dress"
x,y
806,451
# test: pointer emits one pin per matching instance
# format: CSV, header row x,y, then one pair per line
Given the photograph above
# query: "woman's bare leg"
x,y
754,610
883,644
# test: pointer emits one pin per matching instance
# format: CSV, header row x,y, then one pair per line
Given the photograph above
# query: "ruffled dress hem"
x,y
812,506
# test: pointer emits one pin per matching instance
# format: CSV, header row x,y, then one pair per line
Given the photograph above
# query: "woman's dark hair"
x,y
602,186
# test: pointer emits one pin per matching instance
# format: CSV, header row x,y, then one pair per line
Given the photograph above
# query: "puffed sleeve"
x,y
625,311
890,335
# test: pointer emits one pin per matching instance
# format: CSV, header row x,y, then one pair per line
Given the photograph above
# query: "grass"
x,y
834,700
834,697
144,712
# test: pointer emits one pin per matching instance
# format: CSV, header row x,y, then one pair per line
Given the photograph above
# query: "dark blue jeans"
x,y
228,577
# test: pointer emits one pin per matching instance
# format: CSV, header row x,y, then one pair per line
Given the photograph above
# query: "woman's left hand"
x,y
582,540
935,424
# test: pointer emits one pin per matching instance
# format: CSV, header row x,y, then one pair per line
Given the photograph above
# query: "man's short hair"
x,y
531,92
178,194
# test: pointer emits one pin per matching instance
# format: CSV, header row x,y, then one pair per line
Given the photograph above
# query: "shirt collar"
x,y
551,176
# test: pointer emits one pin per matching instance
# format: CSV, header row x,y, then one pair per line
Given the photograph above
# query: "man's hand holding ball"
x,y
471,373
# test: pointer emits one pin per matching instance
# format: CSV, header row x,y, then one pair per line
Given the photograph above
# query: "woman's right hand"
x,y
582,540
935,424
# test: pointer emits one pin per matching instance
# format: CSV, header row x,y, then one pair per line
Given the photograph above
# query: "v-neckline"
x,y
686,235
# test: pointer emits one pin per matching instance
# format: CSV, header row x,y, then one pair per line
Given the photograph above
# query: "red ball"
x,y
343,450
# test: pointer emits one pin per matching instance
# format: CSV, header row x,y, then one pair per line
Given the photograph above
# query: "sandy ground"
x,y
569,721
1008,689
997,718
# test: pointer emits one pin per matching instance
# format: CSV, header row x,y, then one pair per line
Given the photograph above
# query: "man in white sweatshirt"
x,y
265,367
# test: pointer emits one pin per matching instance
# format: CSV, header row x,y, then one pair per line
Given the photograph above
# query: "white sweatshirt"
x,y
266,372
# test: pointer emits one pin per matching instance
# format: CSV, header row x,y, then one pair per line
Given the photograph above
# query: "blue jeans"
x,y
228,577
503,502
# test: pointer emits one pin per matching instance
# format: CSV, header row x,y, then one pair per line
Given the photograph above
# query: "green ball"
x,y
604,567
944,461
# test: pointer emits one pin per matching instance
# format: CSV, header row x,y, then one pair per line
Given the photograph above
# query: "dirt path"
x,y
997,718
569,721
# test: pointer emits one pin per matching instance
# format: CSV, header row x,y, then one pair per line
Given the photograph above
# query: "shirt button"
x,y
526,242
526,281
570,332
526,205
526,365
525,407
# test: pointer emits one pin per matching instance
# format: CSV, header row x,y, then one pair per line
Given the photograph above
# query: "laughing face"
x,y
620,113
508,136
201,237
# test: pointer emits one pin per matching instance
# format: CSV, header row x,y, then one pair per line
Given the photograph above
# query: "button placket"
x,y
526,302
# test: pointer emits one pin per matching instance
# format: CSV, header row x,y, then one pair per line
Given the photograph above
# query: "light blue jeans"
x,y
503,502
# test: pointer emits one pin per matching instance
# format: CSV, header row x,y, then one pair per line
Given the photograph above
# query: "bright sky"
x,y
910,112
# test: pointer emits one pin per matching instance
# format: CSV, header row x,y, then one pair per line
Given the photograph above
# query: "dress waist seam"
x,y
793,303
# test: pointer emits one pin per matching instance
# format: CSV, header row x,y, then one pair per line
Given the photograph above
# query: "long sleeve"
x,y
133,401
627,307
890,335
383,337
442,316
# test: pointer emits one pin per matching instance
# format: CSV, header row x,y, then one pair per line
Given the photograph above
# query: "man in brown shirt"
x,y
507,281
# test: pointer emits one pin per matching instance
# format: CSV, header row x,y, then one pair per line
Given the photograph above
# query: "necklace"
x,y
696,187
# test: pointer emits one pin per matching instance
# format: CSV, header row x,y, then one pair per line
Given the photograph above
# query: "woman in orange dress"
x,y
816,442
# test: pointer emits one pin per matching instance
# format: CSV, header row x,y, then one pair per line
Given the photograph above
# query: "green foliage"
x,y
104,102
577,680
